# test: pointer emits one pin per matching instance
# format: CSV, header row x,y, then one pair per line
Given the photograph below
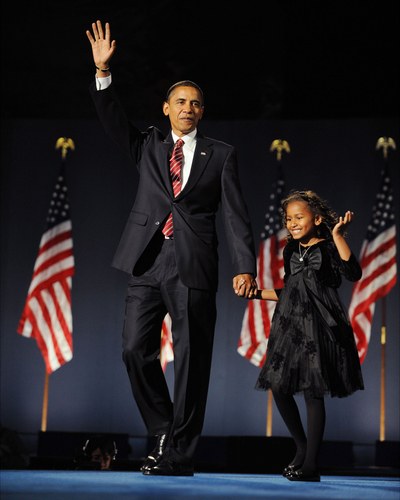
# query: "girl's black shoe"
x,y
290,469
298,475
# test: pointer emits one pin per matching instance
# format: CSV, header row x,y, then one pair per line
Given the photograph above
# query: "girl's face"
x,y
301,222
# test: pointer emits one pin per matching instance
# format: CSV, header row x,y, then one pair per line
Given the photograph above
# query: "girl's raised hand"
x,y
343,223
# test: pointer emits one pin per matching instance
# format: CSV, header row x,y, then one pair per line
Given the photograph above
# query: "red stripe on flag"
x,y
166,346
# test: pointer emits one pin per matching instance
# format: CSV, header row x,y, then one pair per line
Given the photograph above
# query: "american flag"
x,y
378,263
47,314
258,315
167,351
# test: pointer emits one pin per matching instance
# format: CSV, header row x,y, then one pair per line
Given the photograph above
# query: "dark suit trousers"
x,y
154,291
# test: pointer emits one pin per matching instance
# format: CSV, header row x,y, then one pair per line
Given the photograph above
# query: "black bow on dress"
x,y
312,261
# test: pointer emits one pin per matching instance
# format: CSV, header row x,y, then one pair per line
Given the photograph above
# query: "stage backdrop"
x,y
91,393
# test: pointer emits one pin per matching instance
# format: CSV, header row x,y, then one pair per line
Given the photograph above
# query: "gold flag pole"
x,y
383,370
383,143
268,430
277,145
45,406
65,143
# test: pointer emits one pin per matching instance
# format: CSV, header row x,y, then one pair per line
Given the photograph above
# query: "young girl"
x,y
311,347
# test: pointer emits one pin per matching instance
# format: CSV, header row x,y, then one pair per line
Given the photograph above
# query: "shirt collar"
x,y
189,139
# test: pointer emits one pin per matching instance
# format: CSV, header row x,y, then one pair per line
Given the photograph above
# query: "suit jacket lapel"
x,y
202,156
163,163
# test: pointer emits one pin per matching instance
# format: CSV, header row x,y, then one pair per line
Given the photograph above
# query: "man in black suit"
x,y
173,273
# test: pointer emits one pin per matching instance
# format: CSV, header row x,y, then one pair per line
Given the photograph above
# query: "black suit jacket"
x,y
213,184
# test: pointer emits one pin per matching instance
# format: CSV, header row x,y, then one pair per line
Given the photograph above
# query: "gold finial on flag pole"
x,y
65,143
279,145
385,143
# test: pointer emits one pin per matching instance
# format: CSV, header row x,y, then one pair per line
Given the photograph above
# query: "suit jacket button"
x,y
157,223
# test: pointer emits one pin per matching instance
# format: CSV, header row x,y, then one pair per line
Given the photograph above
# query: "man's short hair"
x,y
184,83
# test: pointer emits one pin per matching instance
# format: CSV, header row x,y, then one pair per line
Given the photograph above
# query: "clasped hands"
x,y
244,285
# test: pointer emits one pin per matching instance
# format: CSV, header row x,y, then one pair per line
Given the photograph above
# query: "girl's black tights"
x,y
307,447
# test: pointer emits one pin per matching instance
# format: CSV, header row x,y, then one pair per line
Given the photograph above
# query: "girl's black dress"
x,y
311,346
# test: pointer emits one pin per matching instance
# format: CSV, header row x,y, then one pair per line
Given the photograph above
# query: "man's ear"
x,y
202,112
165,108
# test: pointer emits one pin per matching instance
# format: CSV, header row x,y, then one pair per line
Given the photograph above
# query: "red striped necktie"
x,y
175,167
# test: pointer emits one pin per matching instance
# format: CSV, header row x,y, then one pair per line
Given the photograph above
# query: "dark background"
x,y
322,76
291,59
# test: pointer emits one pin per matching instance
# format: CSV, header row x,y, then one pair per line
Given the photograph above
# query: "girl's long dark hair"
x,y
318,206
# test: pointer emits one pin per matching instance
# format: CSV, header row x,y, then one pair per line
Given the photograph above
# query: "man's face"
x,y
184,109
102,458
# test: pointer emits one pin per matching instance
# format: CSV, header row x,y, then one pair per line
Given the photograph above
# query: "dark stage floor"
x,y
223,469
85,485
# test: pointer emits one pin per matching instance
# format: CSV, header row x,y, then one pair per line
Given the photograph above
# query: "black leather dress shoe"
x,y
169,468
290,469
155,456
298,475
